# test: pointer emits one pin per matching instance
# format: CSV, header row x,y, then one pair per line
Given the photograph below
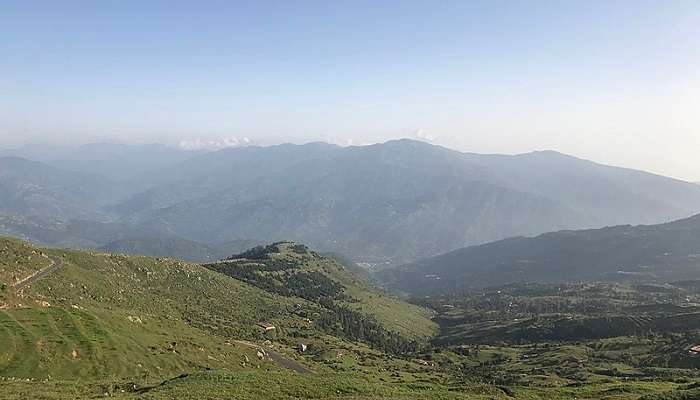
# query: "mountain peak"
x,y
549,154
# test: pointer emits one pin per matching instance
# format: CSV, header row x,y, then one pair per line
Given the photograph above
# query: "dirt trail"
x,y
56,263
277,358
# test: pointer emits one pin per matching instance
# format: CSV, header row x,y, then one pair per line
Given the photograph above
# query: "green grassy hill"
x,y
114,326
293,270
108,316
18,260
127,326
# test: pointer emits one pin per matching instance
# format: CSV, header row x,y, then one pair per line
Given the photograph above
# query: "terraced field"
x,y
55,342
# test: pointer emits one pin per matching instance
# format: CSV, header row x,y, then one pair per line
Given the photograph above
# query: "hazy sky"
x,y
613,81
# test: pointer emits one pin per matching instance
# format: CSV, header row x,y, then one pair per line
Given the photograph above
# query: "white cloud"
x,y
421,134
213,144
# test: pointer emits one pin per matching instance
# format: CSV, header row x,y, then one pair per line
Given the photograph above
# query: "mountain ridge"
x,y
396,201
645,253
412,180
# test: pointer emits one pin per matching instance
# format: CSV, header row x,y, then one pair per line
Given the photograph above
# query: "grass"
x,y
259,384
395,315
112,316
251,385
148,328
103,322
18,260
39,343
407,319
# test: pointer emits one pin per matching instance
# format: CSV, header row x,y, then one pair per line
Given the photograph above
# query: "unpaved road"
x,y
277,358
56,263
287,363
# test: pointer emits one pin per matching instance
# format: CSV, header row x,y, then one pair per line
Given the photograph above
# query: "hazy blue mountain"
x,y
118,162
662,252
163,245
605,195
397,201
30,188
400,200
116,238
210,173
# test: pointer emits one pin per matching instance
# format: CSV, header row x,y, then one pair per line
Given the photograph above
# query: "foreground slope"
x,y
126,326
104,325
621,253
104,316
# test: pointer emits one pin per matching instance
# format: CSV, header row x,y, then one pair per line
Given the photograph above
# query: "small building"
x,y
266,327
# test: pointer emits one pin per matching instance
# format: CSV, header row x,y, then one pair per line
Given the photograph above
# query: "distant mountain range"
x,y
393,202
30,188
117,237
645,253
117,162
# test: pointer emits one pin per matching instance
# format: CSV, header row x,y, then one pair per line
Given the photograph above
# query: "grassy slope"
x,y
399,316
104,321
127,327
115,316
18,259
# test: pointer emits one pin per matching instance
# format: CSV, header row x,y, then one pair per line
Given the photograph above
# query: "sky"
x,y
616,82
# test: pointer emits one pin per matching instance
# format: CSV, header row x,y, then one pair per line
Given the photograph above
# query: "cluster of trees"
x,y
524,301
300,249
263,252
274,265
335,318
491,372
311,285
526,313
342,321
257,252
283,276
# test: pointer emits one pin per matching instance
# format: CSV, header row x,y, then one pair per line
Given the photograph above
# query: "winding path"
x,y
277,358
56,263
